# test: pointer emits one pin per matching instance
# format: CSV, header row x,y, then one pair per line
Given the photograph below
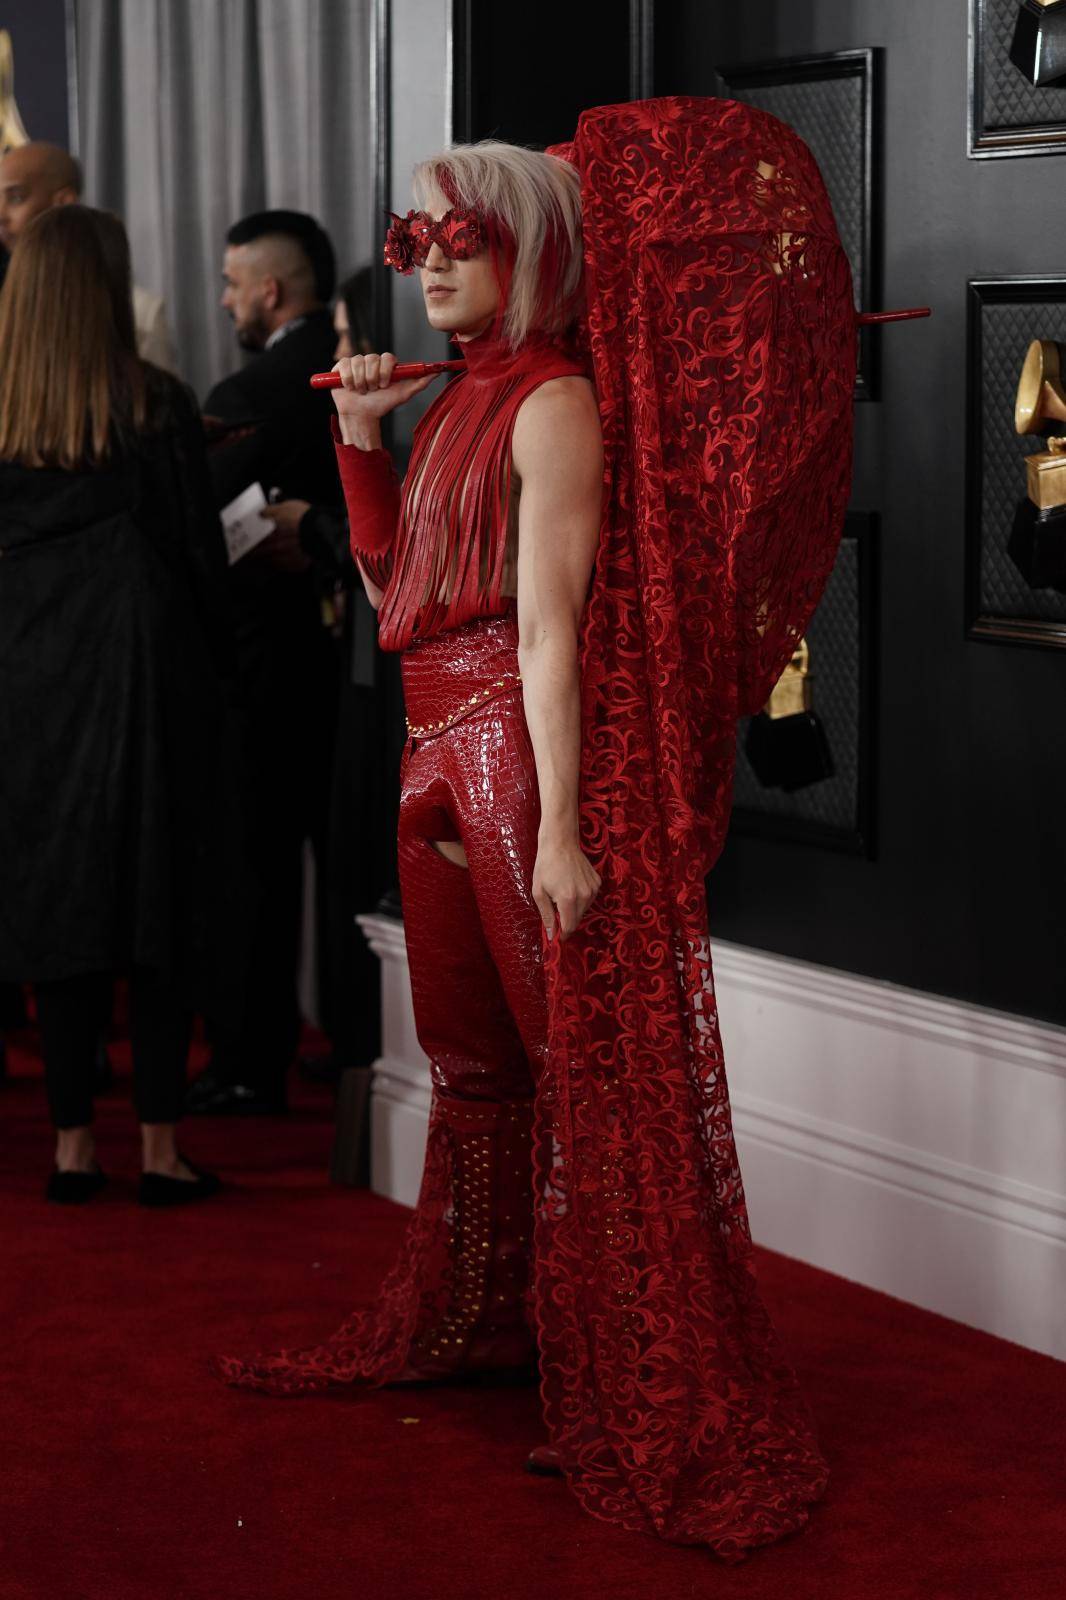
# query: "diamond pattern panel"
x,y
1006,331
828,114
835,640
1008,99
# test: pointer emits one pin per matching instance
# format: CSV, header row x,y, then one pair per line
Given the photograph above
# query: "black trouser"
x,y
289,679
361,855
69,1011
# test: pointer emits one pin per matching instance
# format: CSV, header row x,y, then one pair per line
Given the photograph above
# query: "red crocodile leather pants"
x,y
474,947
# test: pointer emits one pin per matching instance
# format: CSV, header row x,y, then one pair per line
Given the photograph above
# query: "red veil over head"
x,y
722,333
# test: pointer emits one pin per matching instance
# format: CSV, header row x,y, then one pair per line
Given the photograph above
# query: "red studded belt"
x,y
453,674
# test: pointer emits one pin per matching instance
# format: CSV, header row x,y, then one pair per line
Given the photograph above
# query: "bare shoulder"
x,y
561,414
559,397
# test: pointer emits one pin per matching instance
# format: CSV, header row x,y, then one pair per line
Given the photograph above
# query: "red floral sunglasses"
x,y
460,234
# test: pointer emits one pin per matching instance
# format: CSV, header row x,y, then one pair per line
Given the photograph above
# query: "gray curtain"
x,y
192,113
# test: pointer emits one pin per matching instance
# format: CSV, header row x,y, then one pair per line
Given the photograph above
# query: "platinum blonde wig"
x,y
536,200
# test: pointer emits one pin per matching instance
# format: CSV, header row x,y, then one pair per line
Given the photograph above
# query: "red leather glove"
x,y
372,495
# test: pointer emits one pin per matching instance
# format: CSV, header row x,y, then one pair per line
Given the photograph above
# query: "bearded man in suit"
x,y
270,428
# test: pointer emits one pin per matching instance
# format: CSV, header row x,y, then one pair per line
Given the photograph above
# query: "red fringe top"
x,y
439,547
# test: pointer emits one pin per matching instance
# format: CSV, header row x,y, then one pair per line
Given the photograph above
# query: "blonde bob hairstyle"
x,y
537,200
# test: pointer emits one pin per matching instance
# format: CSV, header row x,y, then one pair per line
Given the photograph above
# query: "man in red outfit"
x,y
588,585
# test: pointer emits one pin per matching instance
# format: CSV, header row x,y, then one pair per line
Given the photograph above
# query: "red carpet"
x,y
129,1473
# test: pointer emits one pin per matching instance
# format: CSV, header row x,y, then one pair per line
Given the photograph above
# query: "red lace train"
x,y
727,433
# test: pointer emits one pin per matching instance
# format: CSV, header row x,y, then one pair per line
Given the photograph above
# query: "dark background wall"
x,y
38,37
966,894
525,73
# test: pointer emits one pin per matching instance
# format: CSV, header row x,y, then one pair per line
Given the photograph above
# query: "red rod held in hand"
x,y
865,318
423,369
403,369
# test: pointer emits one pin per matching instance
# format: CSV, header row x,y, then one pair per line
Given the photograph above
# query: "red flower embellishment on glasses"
x,y
460,234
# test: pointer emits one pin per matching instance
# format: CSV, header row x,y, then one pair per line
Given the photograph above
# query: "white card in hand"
x,y
242,523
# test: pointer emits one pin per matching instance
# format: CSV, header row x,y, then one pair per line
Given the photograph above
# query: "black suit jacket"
x,y
289,447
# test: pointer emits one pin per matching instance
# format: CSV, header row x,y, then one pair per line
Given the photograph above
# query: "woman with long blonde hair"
x,y
111,637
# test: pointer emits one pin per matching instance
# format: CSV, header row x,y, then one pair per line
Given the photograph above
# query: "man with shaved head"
x,y
278,278
270,281
36,176
33,177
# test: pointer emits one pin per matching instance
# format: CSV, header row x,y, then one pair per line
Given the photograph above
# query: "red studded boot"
x,y
481,1326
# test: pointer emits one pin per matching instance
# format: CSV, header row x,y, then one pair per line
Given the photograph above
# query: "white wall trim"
x,y
1019,1040
946,1182
400,1088
908,1142
384,935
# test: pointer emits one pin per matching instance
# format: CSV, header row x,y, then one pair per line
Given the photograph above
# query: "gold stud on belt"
x,y
475,699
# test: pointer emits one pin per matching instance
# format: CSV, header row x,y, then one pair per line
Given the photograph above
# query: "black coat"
x,y
113,644
283,442
288,445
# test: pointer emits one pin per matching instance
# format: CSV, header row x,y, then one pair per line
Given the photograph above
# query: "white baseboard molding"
x,y
400,1088
399,1117
913,1144
910,1143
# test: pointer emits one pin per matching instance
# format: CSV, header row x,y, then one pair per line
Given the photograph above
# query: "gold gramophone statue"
x,y
12,131
786,742
1038,538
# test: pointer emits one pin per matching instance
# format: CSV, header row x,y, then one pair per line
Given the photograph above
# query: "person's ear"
x,y
271,293
65,197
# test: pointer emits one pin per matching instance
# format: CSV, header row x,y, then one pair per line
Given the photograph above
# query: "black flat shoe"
x,y
209,1096
156,1189
73,1188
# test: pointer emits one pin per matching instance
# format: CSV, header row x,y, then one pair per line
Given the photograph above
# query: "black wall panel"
x,y
1008,115
836,812
1005,314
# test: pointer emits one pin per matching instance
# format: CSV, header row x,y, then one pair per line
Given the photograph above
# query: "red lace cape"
x,y
722,332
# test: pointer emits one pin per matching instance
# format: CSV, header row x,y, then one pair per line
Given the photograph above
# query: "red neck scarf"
x,y
489,357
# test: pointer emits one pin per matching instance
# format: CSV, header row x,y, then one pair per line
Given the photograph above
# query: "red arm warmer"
x,y
372,496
